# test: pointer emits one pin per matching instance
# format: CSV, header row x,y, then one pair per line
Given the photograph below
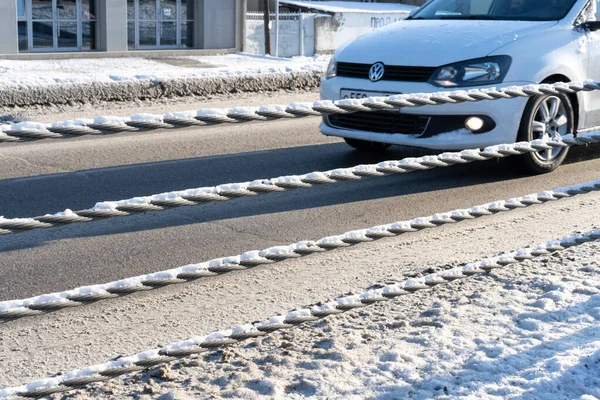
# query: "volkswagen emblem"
x,y
376,71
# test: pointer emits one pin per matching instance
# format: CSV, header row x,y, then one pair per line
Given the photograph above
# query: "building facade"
x,y
50,28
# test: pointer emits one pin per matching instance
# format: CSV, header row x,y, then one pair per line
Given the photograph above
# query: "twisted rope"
x,y
28,131
123,365
15,309
192,197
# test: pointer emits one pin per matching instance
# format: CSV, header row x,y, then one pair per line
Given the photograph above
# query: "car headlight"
x,y
331,69
482,71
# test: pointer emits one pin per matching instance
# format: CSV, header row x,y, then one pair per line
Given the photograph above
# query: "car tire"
x,y
367,146
541,120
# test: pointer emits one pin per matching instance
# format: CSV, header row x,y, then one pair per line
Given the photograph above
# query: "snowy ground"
x,y
529,331
118,70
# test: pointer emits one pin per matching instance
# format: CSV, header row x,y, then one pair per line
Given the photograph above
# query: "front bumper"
x,y
505,113
397,122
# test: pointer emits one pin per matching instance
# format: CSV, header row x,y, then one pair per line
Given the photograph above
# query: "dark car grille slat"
x,y
381,122
392,72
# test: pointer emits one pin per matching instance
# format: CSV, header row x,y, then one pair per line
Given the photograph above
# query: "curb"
x,y
23,96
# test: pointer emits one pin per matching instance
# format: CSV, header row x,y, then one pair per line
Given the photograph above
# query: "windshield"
x,y
524,10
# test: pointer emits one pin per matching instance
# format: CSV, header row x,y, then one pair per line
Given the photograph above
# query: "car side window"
x,y
465,7
452,7
482,7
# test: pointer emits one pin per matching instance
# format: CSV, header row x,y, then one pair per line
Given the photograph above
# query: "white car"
x,y
449,45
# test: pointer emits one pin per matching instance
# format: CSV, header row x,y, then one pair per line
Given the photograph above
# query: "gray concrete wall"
x,y
218,24
291,40
112,25
9,43
331,32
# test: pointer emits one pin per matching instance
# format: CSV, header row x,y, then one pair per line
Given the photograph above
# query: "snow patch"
x,y
74,123
108,120
35,74
29,126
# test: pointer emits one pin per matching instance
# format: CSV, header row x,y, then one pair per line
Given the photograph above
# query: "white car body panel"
x,y
539,50
427,41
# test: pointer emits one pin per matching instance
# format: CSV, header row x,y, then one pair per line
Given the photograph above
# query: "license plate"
x,y
361,94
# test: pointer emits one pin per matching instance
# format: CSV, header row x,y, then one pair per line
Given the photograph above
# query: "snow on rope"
x,y
192,197
28,131
199,344
15,309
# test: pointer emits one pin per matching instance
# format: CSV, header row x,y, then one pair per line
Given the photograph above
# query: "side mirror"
x,y
591,26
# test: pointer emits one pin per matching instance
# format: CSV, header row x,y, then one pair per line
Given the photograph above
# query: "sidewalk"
x,y
24,83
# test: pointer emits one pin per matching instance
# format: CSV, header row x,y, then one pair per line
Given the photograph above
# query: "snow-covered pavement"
x,y
118,70
529,331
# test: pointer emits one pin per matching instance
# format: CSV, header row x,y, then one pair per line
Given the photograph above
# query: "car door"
x,y
589,47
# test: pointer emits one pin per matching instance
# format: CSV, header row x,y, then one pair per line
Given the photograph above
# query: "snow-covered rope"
x,y
199,344
192,197
27,131
15,309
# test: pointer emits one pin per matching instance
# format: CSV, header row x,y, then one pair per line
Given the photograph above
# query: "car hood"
x,y
433,43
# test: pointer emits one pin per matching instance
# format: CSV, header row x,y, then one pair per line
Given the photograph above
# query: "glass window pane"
x,y
23,44
168,34
88,9
168,10
88,35
187,10
67,9
130,9
41,9
147,33
67,34
131,35
187,34
147,9
21,8
42,35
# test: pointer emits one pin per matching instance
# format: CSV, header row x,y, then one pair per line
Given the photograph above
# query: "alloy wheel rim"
x,y
550,121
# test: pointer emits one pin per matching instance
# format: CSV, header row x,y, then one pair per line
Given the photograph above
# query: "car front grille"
x,y
392,72
381,122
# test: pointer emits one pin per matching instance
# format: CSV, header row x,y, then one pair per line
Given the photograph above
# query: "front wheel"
x,y
367,146
546,117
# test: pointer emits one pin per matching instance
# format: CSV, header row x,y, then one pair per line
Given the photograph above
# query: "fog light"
x,y
474,124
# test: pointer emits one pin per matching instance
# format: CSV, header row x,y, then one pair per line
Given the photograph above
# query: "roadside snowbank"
x,y
25,83
529,331
111,70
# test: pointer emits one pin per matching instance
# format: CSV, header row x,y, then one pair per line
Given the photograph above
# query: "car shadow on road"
x,y
26,197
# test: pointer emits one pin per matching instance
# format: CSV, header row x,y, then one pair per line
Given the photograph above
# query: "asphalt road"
x,y
78,173
49,176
